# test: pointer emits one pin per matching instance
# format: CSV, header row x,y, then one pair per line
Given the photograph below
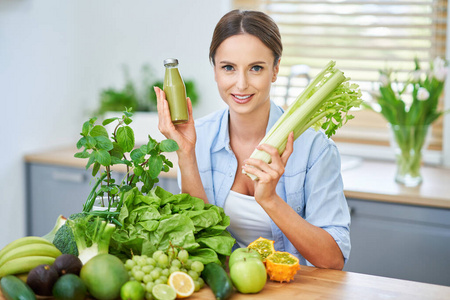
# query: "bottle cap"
x,y
171,62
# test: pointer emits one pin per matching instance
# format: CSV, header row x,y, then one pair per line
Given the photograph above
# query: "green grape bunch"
x,y
156,269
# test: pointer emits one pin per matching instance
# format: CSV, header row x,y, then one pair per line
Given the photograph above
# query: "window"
x,y
362,37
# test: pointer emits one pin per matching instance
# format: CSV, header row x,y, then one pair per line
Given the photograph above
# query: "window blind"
x,y
362,37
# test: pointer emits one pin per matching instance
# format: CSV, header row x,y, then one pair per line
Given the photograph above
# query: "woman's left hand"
x,y
269,174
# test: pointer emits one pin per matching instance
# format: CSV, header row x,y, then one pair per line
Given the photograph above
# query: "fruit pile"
x,y
280,266
166,274
59,279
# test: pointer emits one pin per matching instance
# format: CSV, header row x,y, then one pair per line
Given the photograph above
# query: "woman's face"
x,y
244,72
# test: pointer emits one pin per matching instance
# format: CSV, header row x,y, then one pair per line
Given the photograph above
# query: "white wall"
x,y
55,56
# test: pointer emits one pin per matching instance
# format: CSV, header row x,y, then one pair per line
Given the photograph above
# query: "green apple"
x,y
248,275
241,253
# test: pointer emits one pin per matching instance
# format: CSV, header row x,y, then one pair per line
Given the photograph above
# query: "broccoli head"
x,y
84,235
65,241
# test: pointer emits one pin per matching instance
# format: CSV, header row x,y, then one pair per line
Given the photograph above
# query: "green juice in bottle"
x,y
175,91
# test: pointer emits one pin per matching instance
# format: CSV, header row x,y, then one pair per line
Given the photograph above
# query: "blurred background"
x,y
57,56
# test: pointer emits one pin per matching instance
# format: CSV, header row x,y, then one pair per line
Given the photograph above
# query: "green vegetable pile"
x,y
159,219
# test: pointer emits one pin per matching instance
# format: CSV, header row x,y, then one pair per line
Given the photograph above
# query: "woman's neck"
x,y
249,128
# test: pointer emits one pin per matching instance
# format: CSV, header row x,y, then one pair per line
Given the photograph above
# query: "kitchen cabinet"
x,y
53,190
401,241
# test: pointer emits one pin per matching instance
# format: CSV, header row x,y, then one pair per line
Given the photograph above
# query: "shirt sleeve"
x,y
325,203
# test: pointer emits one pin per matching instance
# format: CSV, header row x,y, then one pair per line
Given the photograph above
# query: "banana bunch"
x,y
26,253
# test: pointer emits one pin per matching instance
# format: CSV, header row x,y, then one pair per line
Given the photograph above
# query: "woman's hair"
x,y
255,23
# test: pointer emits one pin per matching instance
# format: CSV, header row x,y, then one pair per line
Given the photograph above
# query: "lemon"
x,y
163,292
182,283
132,290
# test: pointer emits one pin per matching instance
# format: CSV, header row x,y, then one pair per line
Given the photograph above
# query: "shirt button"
x,y
298,209
230,174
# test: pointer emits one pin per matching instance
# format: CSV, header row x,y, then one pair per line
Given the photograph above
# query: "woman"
x,y
298,200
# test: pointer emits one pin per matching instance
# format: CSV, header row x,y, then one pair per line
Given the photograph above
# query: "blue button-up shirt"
x,y
311,184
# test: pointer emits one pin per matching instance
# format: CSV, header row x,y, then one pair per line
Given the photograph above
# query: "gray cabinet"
x,y
57,190
400,241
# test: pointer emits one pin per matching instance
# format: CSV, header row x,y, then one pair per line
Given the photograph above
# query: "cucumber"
x,y
15,289
218,280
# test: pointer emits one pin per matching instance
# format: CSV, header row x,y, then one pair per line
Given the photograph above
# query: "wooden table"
x,y
313,283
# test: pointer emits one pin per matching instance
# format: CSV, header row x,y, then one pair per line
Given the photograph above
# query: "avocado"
x,y
69,287
41,279
67,264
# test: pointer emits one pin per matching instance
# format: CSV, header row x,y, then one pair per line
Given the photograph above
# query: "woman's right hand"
x,y
184,134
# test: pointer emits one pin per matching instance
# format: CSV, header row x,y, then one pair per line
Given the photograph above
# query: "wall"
x,y
55,56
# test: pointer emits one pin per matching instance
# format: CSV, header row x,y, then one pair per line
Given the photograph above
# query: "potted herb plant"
x,y
103,151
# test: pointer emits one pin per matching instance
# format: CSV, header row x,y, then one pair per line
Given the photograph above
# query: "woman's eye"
x,y
228,68
257,68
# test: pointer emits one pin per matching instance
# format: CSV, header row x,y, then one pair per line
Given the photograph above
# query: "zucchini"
x,y
218,280
15,289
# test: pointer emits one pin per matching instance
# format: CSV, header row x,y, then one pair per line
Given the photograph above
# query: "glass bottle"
x,y
175,91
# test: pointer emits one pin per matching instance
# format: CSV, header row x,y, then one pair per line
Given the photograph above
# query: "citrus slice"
x,y
282,266
163,291
182,283
263,246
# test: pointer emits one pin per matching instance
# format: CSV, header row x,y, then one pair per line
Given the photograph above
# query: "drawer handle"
x,y
68,177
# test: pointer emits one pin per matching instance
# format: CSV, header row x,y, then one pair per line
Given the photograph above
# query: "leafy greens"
x,y
159,219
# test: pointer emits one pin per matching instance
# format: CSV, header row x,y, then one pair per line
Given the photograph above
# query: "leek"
x,y
324,103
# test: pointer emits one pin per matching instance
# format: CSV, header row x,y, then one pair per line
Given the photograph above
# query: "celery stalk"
x,y
324,103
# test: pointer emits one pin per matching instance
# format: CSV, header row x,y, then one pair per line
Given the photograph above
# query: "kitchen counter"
x,y
314,283
365,179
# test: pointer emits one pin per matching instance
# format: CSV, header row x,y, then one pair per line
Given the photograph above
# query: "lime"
x,y
132,290
163,292
69,287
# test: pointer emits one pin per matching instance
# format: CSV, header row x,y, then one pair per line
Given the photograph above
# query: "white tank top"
x,y
248,220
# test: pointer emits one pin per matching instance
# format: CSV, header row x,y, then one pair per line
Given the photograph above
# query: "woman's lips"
x,y
242,99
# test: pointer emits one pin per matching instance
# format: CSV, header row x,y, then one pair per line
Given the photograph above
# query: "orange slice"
x,y
282,266
263,246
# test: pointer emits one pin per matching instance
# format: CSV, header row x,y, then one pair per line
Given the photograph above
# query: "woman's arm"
x,y
315,244
185,136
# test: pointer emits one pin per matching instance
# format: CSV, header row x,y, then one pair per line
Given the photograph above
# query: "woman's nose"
x,y
242,81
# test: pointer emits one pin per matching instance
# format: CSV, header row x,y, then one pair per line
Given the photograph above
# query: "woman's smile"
x,y
242,99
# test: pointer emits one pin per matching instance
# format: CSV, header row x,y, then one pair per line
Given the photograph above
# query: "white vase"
x,y
101,204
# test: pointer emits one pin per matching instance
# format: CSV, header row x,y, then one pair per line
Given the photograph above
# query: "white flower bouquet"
x,y
410,108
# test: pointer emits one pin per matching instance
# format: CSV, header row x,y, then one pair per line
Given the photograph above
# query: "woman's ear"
x,y
276,69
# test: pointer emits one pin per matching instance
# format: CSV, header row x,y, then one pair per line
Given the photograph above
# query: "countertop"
x,y
363,179
313,283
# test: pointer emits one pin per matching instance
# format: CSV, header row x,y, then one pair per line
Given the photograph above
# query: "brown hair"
x,y
255,23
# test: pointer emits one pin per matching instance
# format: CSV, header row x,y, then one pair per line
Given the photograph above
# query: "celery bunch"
x,y
325,103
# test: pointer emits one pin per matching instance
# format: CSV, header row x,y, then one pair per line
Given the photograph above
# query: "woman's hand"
x,y
269,174
184,134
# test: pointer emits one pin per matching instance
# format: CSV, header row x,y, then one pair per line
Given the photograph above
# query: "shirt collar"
x,y
223,136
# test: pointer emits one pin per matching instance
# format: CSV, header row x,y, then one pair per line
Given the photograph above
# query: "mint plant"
x,y
144,164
